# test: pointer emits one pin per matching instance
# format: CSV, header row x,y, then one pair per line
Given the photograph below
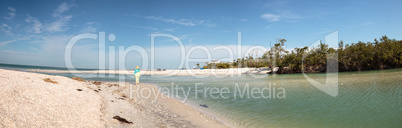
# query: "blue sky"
x,y
36,32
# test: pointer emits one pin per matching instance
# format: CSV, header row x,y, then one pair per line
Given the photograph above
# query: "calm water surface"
x,y
365,99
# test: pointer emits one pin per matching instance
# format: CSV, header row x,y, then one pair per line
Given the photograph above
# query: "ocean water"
x,y
365,99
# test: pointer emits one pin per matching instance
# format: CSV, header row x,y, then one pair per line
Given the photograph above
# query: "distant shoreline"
x,y
196,72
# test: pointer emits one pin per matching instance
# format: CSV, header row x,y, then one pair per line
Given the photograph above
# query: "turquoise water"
x,y
365,99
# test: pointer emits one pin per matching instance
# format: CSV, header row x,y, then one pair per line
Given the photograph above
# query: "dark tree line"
x,y
384,53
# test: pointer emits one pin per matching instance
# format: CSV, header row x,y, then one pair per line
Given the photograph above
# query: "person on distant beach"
x,y
137,75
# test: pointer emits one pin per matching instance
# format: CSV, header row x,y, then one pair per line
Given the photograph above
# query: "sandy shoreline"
x,y
30,101
186,72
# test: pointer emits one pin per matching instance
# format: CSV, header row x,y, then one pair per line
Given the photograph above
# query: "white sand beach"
x,y
185,72
38,100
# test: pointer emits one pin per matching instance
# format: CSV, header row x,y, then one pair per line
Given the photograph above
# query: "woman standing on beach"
x,y
137,75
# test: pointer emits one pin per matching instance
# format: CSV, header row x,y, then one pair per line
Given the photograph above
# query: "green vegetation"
x,y
380,54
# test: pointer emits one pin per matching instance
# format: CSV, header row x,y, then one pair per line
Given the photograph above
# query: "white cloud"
x,y
6,42
270,17
62,8
280,12
268,27
11,14
36,25
181,37
11,9
90,27
144,27
185,22
6,29
171,29
287,16
61,23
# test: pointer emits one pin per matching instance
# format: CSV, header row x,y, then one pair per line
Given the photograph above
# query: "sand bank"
x,y
187,72
27,100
